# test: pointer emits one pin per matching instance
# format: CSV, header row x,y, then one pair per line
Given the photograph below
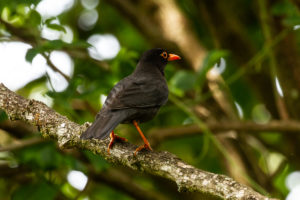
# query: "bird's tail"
x,y
102,126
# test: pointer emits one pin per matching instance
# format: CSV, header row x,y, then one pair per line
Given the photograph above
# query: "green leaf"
x,y
291,21
283,8
13,4
42,190
49,20
184,80
3,116
79,44
211,59
35,18
288,11
57,27
54,44
31,53
5,13
41,156
97,161
279,180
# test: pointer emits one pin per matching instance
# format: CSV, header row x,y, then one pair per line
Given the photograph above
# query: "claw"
x,y
114,137
145,146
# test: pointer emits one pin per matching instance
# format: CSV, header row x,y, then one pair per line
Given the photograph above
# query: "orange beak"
x,y
173,57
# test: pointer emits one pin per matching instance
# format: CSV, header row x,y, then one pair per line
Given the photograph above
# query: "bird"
x,y
135,99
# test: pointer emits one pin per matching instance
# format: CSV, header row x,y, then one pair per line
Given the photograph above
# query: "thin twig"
x,y
278,126
121,181
54,68
22,144
265,20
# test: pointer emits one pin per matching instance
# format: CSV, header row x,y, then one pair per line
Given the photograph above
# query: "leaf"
x,y
3,116
5,14
98,162
35,18
288,11
79,44
41,156
31,53
211,59
283,8
14,4
291,21
184,80
57,27
49,20
54,44
41,190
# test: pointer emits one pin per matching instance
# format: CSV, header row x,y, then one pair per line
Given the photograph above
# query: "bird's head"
x,y
158,57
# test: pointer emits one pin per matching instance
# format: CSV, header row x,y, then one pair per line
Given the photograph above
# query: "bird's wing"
x,y
140,93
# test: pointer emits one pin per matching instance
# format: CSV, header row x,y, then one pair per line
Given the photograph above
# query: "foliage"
x,y
257,45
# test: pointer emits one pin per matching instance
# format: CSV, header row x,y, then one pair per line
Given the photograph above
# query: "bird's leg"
x,y
114,137
146,143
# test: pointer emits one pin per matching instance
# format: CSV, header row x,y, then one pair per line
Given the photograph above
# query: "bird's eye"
x,y
164,55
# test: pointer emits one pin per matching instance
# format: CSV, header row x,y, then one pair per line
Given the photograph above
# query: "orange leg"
x,y
146,143
114,137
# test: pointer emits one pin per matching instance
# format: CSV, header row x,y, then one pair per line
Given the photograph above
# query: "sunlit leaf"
x,y
5,13
279,180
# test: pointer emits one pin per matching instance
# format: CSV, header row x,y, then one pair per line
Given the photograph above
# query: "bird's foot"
x,y
114,138
145,146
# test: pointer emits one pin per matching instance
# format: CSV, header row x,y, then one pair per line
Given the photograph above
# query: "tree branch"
x,y
54,68
292,127
18,128
175,33
163,164
22,144
124,183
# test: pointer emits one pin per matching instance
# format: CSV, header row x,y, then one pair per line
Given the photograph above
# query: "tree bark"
x,y
164,164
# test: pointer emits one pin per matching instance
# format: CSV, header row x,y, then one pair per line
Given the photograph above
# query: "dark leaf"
x,y
35,18
97,161
49,20
42,190
184,80
31,53
211,59
3,116
56,27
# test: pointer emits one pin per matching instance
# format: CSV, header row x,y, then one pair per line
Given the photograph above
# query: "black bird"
x,y
135,99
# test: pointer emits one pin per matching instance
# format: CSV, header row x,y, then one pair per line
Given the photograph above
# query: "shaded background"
x,y
240,64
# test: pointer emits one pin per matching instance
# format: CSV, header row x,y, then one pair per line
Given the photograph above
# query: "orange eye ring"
x,y
164,55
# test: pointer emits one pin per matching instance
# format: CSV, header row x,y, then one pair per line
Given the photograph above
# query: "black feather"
x,y
136,97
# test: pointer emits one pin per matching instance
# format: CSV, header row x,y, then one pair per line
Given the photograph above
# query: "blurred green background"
x,y
240,64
